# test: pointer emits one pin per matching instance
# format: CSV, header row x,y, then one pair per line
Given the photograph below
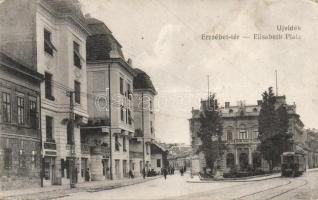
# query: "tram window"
x,y
288,159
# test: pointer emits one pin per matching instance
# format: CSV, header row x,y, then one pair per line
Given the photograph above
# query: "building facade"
x,y
240,133
51,36
110,124
144,120
20,136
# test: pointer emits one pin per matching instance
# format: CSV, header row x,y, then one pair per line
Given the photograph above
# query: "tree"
x,y
273,129
211,132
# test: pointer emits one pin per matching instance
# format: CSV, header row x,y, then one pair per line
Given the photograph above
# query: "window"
x,y
124,144
129,91
20,102
147,149
229,135
150,106
7,158
122,113
243,132
126,116
121,82
49,128
129,117
22,159
76,54
48,86
255,134
151,127
69,134
124,168
158,162
116,143
33,113
77,87
34,159
48,45
6,107
63,166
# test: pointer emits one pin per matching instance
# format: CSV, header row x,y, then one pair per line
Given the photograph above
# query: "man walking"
x,y
165,173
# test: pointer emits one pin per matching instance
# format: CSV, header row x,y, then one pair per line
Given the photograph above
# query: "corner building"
x,y
106,137
51,36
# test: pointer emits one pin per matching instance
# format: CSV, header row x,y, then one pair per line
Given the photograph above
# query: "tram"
x,y
293,164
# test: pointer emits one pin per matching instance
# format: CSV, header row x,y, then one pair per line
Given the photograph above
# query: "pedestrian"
x,y
87,175
131,175
144,173
181,171
165,173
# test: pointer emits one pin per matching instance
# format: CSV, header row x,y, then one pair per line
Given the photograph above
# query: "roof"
x,y
142,81
67,7
17,66
101,42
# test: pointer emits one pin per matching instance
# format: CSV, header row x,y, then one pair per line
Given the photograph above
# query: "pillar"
x,y
250,156
96,168
236,157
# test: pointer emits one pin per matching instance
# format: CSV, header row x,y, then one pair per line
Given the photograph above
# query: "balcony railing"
x,y
50,145
133,154
245,141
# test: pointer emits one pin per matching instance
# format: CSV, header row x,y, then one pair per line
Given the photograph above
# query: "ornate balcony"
x,y
50,145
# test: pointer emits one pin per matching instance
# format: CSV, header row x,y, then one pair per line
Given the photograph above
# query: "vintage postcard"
x,y
158,99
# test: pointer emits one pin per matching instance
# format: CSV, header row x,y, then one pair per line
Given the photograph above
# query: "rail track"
x,y
274,192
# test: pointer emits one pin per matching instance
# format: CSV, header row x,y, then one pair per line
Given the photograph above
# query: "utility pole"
x,y
72,149
276,83
110,127
143,132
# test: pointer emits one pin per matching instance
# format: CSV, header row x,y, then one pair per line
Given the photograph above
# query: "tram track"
x,y
274,194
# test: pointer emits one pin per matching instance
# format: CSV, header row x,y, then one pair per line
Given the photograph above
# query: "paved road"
x,y
176,187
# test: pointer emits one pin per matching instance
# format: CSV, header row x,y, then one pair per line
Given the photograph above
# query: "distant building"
x,y
240,132
20,135
311,147
179,156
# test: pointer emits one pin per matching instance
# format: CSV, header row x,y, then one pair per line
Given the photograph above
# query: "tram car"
x,y
293,164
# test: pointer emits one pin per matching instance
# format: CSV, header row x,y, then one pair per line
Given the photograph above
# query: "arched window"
x,y
243,132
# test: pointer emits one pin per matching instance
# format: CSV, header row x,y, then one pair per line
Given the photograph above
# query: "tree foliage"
x,y
211,132
273,129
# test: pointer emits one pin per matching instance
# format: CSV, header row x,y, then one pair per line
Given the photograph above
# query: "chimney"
x,y
129,61
227,104
259,102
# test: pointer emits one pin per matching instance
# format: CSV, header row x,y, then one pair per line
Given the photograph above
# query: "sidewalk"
x,y
62,190
244,179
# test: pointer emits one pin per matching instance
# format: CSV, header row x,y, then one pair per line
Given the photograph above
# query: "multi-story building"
x,y
144,120
110,125
240,132
312,147
20,147
51,36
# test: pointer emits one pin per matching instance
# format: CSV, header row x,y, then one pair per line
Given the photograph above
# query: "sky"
x,y
164,38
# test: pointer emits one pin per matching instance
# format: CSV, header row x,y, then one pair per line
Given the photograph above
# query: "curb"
x,y
236,180
97,189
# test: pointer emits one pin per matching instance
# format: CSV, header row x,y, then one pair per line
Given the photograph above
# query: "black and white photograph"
x,y
158,99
